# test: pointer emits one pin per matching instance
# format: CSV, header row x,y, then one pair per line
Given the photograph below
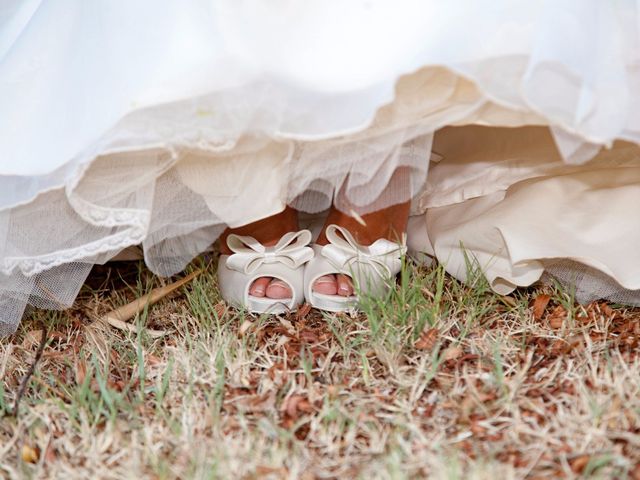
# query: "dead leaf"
x,y
466,406
452,353
508,300
333,390
556,317
428,339
288,326
467,357
32,339
290,405
540,305
578,464
427,293
263,470
305,406
81,371
487,397
308,336
220,308
477,429
294,405
607,310
117,385
153,360
30,454
255,403
303,311
50,454
245,327
559,347
556,322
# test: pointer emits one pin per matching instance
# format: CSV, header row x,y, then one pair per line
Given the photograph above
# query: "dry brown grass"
x,y
438,380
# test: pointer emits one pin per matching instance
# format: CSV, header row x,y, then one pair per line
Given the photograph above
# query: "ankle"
x,y
389,223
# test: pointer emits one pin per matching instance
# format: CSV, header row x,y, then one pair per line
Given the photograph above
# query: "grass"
x,y
439,379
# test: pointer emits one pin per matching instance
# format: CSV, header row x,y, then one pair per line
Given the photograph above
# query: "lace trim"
x,y
35,265
136,221
109,217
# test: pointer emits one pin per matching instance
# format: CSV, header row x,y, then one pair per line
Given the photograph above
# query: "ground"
x,y
439,380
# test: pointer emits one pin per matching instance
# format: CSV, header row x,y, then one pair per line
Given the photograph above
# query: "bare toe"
x,y
277,289
326,285
259,287
345,287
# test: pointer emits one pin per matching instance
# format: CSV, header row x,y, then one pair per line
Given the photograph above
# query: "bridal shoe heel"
x,y
251,260
372,269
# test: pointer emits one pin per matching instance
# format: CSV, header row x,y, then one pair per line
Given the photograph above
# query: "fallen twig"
x,y
117,318
27,376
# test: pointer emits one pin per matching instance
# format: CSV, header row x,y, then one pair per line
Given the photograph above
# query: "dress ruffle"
x,y
128,124
502,202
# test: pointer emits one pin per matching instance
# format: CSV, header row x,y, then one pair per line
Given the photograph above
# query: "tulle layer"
x,y
162,127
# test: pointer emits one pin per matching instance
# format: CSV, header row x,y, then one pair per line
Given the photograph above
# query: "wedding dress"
x,y
161,123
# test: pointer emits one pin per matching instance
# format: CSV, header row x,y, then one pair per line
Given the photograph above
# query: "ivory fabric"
x,y
133,123
502,201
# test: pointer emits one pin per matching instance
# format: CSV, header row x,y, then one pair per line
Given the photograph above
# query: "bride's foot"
x,y
267,232
389,223
270,287
334,285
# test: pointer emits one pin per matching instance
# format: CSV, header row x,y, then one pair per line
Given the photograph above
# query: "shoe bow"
x,y
347,255
249,254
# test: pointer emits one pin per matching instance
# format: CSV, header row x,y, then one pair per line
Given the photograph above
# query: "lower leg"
x,y
389,223
267,231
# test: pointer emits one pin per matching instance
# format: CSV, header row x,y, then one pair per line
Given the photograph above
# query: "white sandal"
x,y
372,269
252,260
